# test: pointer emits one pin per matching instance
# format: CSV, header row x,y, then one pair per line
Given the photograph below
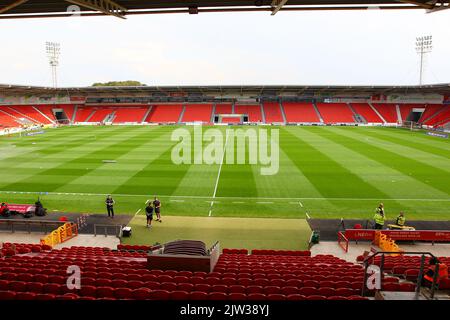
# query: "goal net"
x,y
411,125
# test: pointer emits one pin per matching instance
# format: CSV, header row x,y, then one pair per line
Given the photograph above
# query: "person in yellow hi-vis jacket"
x,y
379,217
401,220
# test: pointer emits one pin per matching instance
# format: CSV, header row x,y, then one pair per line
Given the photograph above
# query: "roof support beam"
x,y
277,5
12,6
108,7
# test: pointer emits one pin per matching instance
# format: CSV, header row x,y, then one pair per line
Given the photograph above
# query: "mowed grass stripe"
x,y
395,184
412,143
107,177
438,162
26,168
419,136
237,179
430,175
45,146
159,176
199,179
66,171
329,177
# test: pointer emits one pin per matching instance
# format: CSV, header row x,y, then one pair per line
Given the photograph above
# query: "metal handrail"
x,y
29,223
419,277
106,227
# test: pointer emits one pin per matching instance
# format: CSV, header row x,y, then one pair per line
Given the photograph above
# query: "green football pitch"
x,y
325,172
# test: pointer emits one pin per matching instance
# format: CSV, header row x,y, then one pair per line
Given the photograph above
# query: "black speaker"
x,y
245,118
216,118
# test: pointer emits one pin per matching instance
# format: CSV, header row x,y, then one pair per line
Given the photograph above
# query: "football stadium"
x,y
223,192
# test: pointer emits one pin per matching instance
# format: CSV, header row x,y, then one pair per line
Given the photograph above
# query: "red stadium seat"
x,y
308,291
105,292
254,289
159,294
17,286
45,296
236,296
256,297
345,292
326,291
217,296
52,288
25,296
7,295
141,294
197,295
179,295
316,297
406,287
276,296
337,298
123,293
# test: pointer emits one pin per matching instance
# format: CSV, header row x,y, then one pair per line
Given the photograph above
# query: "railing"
x,y
343,241
419,277
116,228
45,225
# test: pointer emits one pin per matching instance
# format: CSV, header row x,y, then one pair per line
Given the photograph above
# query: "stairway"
x,y
317,112
283,113
263,115
147,113
376,111
182,114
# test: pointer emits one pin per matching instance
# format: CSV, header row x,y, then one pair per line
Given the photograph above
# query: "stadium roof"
x,y
121,8
17,90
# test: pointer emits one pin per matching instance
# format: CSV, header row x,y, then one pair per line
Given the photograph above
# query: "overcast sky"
x,y
316,48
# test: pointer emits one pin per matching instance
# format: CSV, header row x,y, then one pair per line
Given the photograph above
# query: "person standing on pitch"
x,y
149,214
110,206
157,205
379,217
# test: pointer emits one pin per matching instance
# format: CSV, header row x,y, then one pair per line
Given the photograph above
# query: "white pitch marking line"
x,y
137,212
308,215
264,202
218,176
225,198
300,203
176,200
238,202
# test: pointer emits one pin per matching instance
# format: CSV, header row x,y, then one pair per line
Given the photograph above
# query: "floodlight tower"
x,y
424,45
53,51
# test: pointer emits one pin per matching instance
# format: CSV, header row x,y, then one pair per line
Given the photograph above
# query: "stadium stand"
x,y
406,109
273,113
300,112
47,111
295,112
165,113
31,113
197,112
7,120
100,114
388,111
367,112
129,114
430,111
35,272
83,113
224,109
253,112
335,112
440,118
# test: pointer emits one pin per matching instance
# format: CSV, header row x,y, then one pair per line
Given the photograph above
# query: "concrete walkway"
x,y
85,240
354,250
